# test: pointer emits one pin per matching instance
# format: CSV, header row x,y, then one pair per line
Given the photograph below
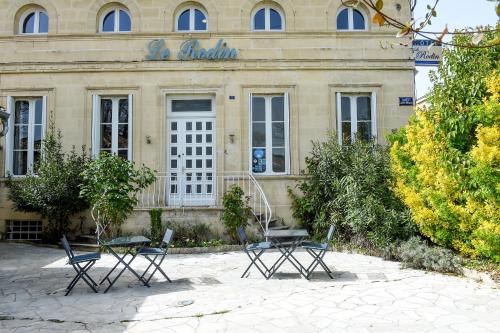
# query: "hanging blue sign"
x,y
426,53
191,50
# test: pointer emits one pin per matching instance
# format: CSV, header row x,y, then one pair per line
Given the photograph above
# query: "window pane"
x,y
125,24
278,108
343,20
173,138
189,138
123,111
209,164
122,136
209,126
278,134
259,20
200,21
106,136
189,151
199,151
365,130
208,151
29,24
258,109
123,153
173,164
346,108
209,138
20,166
199,138
189,126
364,108
346,131
199,164
38,137
106,111
183,21
173,151
173,126
359,20
43,26
258,160
199,126
108,24
20,137
259,135
279,160
36,157
22,112
275,20
192,105
189,164
38,111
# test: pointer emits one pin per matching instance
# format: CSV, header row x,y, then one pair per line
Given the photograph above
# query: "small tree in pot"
x,y
111,184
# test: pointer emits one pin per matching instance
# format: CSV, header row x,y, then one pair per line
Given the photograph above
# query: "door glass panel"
x,y
38,111
346,131
346,108
364,130
37,145
278,134
106,136
258,109
192,105
278,159
122,136
106,111
259,135
123,111
258,160
20,166
364,108
22,112
20,137
123,153
278,108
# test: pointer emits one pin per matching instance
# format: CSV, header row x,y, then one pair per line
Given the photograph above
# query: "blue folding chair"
x,y
81,264
251,251
318,251
153,253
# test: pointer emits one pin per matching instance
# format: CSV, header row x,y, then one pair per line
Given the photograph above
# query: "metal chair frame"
x,y
318,251
81,270
250,249
151,256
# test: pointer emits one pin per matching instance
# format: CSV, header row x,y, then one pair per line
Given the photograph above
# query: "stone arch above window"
x,y
191,17
32,18
252,11
99,9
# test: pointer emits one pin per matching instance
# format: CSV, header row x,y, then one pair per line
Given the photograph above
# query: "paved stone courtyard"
x,y
207,295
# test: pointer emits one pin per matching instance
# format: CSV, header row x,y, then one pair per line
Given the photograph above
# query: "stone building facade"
x,y
198,90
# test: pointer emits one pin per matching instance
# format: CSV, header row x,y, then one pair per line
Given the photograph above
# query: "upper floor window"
x,y
116,20
351,19
192,19
34,22
268,19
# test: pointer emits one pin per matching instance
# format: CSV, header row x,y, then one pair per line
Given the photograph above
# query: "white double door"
x,y
191,161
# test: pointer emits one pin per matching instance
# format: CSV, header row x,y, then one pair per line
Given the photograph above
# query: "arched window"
x,y
116,20
351,19
268,19
34,22
192,19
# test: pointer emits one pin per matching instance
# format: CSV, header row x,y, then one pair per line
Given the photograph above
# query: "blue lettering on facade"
x,y
191,50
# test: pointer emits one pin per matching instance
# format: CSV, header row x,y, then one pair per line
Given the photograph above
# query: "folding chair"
x,y
81,265
152,253
250,250
318,251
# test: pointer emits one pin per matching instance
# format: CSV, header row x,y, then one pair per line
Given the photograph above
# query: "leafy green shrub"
x,y
447,160
156,227
415,253
193,235
236,211
349,185
111,184
53,189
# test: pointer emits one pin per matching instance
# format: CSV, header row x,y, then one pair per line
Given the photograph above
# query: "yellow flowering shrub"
x,y
446,165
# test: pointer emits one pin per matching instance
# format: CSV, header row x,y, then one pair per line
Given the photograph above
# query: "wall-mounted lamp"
x,y
4,118
231,138
148,139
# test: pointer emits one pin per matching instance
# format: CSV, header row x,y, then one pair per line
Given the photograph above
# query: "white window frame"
x,y
350,19
269,161
9,156
354,114
267,18
116,29
192,17
36,28
96,124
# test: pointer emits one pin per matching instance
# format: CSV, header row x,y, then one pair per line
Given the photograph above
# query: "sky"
x,y
457,14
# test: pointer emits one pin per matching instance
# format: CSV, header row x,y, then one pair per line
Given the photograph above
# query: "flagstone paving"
x,y
368,294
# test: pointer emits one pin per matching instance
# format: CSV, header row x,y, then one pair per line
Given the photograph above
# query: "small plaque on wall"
x,y
405,101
